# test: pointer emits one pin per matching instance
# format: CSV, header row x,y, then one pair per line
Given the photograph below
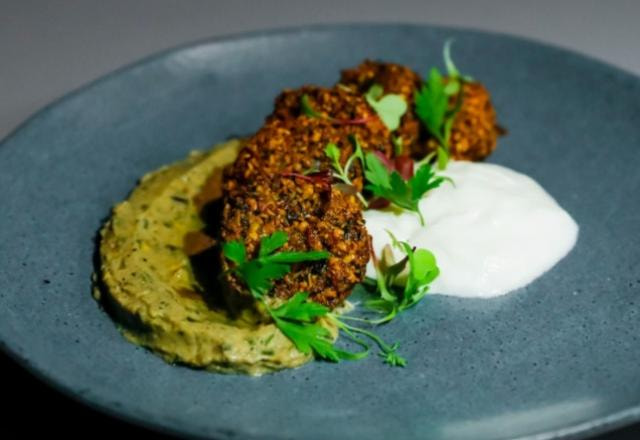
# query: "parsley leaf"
x,y
272,243
391,186
298,308
290,257
297,318
308,338
376,173
259,274
390,107
424,180
432,103
259,277
235,251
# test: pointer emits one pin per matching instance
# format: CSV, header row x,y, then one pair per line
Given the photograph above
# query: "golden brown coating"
x,y
346,112
265,191
291,146
316,217
394,78
475,129
293,143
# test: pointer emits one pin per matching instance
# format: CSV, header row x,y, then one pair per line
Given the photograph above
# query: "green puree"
x,y
150,286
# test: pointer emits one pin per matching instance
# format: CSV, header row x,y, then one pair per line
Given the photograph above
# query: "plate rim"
x,y
599,425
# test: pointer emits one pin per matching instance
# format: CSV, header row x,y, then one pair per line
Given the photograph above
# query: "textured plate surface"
x,y
559,358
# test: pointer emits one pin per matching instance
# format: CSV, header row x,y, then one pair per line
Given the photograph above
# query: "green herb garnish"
x,y
452,70
342,173
297,318
307,109
398,145
259,273
388,352
402,284
432,104
391,186
390,107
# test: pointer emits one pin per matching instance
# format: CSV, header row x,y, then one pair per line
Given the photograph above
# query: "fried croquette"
x,y
394,78
475,130
282,178
281,181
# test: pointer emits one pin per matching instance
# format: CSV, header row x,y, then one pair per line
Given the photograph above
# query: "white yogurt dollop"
x,y
496,230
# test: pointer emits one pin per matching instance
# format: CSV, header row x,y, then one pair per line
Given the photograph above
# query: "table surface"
x,y
50,48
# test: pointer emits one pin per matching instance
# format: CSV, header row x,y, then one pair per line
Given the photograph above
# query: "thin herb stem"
x,y
355,318
362,199
383,345
342,176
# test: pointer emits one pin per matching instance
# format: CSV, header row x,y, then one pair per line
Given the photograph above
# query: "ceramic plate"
x,y
558,358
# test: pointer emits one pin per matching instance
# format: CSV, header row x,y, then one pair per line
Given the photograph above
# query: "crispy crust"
x,y
475,129
316,217
394,78
265,191
348,113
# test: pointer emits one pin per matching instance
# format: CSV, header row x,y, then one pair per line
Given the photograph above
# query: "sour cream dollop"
x,y
495,231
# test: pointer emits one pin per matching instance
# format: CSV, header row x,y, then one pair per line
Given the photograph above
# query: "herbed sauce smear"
x,y
149,281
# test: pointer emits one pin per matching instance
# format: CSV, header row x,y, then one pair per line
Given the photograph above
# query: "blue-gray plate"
x,y
558,358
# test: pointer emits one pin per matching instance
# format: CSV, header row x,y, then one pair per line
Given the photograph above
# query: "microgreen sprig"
x,y
401,285
388,352
390,107
342,173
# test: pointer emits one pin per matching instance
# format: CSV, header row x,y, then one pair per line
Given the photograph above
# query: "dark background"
x,y
50,48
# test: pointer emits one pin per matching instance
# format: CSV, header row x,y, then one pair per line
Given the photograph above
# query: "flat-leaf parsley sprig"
x,y
258,274
297,318
392,182
432,103
404,193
